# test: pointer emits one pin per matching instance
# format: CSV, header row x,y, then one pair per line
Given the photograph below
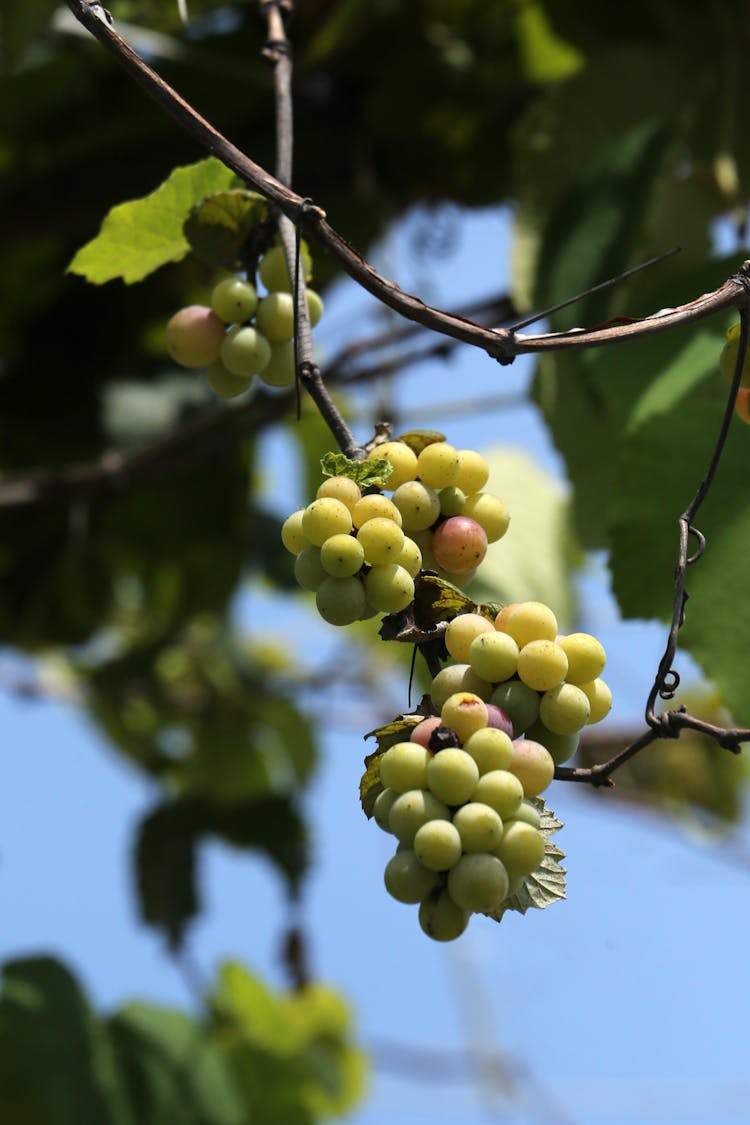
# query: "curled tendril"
x,y
670,682
701,545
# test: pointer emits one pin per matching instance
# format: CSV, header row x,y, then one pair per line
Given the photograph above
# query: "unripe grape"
x,y
411,810
478,883
473,471
586,657
389,588
437,465
419,505
489,512
479,827
314,306
292,535
562,747
273,271
452,775
491,749
499,789
459,544
404,766
533,765
452,501
340,601
519,702
441,919
530,621
446,682
470,681
494,656
342,556
464,713
223,383
324,518
275,317
381,809
542,665
400,457
406,879
410,557
279,371
461,632
234,300
382,541
375,506
728,357
564,709
600,699
245,351
194,336
308,569
528,814
437,845
340,488
521,849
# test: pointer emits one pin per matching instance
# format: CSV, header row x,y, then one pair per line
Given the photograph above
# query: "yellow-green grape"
x,y
275,317
389,588
340,488
499,789
411,810
273,271
479,827
470,681
448,681
519,702
564,709
437,844
292,535
223,383
234,300
473,471
728,357
340,601
400,457
452,501
324,518
494,656
489,512
308,569
600,699
406,879
418,504
528,814
423,539
194,336
461,632
382,541
437,465
279,371
533,765
530,621
464,713
314,306
375,506
586,657
562,747
244,351
490,748
542,665
410,557
478,883
441,919
452,775
404,766
521,849
342,556
381,809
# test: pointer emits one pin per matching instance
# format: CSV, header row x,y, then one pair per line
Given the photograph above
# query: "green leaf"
x,y
141,235
436,599
218,227
417,440
545,885
372,472
165,854
545,56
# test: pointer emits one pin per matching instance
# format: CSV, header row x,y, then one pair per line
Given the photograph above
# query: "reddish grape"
x,y
497,718
422,731
459,544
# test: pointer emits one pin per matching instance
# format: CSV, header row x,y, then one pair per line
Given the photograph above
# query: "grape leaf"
x,y
546,884
141,235
397,731
439,600
371,473
417,440
217,228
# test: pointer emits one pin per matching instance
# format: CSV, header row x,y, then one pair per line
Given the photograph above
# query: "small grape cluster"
x,y
239,334
457,796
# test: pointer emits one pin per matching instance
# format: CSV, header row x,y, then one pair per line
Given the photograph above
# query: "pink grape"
x,y
497,718
459,544
194,336
422,731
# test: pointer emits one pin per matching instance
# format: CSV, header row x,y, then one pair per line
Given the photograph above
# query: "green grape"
x,y
245,351
452,776
340,601
234,300
533,765
404,766
342,556
473,471
494,656
465,713
459,544
382,541
586,657
389,588
452,501
521,849
375,506
499,789
490,748
564,709
279,371
411,810
194,337
406,879
437,465
308,569
479,827
562,747
324,518
542,665
292,535
314,306
381,809
410,557
470,681
461,632
423,539
273,270
340,488
447,682
223,383
441,919
419,505
600,700
489,512
519,702
528,814
478,883
275,317
530,621
400,457
437,844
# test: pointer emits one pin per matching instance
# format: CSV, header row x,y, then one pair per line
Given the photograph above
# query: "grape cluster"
x,y
457,796
241,334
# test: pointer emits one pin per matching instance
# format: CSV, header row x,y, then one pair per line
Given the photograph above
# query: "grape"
x,y
479,827
194,336
742,405
340,601
308,569
340,488
279,371
404,766
728,357
464,712
489,512
400,457
273,270
586,657
473,471
521,849
292,535
499,789
423,540
324,518
411,810
224,383
447,681
519,702
422,731
460,580
461,632
437,844
342,556
504,614
478,883
533,765
410,557
600,699
441,919
542,665
459,544
452,501
375,506
419,505
530,621
528,814
389,588
470,681
382,541
564,709
381,809
314,306
275,317
493,656
491,749
498,719
560,746
406,879
452,775
234,300
244,351
437,465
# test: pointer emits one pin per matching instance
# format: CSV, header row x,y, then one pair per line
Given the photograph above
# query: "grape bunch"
x,y
458,798
727,362
241,334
